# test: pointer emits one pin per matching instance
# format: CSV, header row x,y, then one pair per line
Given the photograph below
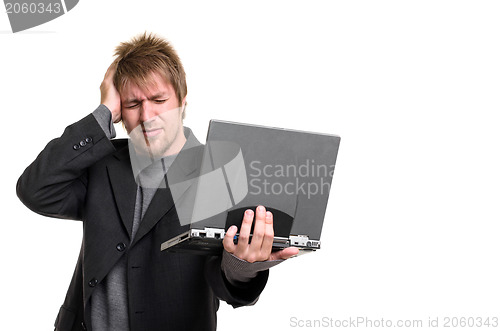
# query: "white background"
x,y
412,87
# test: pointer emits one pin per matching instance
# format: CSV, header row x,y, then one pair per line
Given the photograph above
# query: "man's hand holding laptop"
x,y
259,248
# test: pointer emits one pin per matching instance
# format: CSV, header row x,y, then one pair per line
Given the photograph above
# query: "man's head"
x,y
145,54
152,86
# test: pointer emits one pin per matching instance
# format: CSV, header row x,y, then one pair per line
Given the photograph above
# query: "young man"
x,y
122,280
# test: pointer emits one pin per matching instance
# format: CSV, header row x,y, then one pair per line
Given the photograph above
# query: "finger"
x,y
117,118
111,70
258,230
267,244
228,241
108,77
110,73
284,254
244,236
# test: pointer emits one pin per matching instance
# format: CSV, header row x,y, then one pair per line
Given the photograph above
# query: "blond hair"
x,y
145,54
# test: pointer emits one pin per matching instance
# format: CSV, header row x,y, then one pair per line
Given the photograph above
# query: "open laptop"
x,y
243,166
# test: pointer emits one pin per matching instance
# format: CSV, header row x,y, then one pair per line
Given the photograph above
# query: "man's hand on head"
x,y
109,94
260,247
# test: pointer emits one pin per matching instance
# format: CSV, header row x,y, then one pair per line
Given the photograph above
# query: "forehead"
x,y
154,84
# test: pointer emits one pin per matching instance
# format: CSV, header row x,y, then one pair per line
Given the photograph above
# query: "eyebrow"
x,y
153,97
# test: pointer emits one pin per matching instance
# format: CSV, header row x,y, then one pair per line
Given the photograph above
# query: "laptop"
x,y
242,166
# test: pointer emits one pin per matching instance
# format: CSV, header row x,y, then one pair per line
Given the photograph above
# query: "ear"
x,y
184,103
183,108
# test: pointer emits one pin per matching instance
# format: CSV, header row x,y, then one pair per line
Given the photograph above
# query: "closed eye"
x,y
160,100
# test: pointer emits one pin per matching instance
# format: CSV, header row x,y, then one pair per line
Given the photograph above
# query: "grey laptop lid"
x,y
288,171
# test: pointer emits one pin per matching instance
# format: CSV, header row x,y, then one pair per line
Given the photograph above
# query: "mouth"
x,y
148,133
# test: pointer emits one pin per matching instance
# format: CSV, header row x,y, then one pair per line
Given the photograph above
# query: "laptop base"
x,y
208,241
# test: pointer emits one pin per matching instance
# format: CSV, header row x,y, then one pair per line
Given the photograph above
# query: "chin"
x,y
157,151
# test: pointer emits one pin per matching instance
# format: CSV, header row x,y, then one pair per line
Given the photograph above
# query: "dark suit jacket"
x,y
84,176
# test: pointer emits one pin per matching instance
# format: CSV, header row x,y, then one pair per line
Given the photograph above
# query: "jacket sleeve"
x,y
55,183
236,294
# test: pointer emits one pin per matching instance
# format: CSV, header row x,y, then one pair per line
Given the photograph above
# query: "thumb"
x,y
284,254
228,242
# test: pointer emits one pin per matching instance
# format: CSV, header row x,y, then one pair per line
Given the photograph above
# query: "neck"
x,y
177,144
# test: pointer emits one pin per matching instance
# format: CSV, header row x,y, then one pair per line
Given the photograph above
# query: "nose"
x,y
147,111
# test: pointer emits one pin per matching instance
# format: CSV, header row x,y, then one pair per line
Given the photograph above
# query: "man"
x,y
122,280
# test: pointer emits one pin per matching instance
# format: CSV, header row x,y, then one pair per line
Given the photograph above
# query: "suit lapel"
x,y
160,205
124,187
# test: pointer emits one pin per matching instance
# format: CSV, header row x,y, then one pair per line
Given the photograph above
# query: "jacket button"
x,y
121,247
88,139
76,146
93,282
83,143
